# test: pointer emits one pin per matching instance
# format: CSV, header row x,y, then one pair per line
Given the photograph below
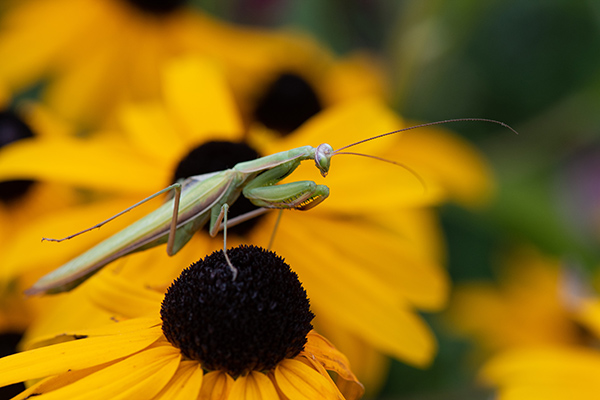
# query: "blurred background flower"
x,y
531,65
536,330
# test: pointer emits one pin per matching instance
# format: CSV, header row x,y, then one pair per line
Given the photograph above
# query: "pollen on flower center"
x,y
250,323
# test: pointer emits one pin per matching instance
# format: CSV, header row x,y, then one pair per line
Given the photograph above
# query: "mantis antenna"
x,y
407,168
446,121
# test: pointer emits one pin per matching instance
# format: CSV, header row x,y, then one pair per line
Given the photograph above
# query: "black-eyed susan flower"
x,y
538,329
551,371
527,308
216,338
93,54
375,236
288,94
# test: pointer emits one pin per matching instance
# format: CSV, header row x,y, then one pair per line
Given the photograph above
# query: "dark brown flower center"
x,y
157,7
12,129
8,345
250,323
287,103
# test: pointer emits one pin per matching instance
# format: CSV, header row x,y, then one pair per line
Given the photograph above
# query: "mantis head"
x,y
323,156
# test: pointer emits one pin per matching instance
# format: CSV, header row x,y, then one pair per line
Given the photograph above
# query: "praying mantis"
x,y
205,198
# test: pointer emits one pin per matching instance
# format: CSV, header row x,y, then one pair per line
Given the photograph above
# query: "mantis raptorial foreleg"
x,y
294,195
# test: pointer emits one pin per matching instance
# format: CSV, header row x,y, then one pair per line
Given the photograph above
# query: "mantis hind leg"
x,y
173,228
175,186
184,234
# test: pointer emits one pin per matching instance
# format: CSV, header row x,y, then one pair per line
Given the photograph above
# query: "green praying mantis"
x,y
205,199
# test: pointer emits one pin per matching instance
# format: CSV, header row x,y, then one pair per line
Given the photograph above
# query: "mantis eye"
x,y
323,156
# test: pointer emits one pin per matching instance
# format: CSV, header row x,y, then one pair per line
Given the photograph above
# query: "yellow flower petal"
x,y
185,384
135,266
381,251
449,160
150,130
551,373
16,312
357,301
254,386
216,385
525,309
351,390
26,65
81,163
115,294
348,389
197,94
298,381
89,83
355,76
545,364
59,381
330,357
86,88
44,122
419,226
27,252
588,313
106,329
139,376
368,364
372,185
78,354
148,58
548,392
